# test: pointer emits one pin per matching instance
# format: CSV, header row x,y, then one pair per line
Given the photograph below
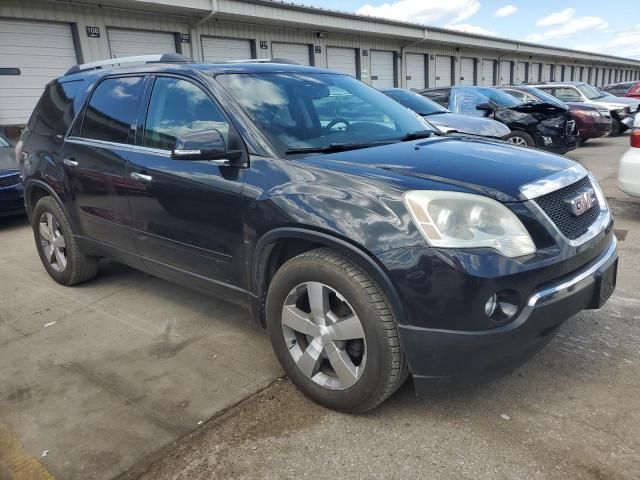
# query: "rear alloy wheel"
x,y
333,331
58,248
522,139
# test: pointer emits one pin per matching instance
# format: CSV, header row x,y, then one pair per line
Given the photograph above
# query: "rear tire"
x,y
522,139
58,249
353,307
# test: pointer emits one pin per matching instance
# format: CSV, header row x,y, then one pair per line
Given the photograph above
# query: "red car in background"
x,y
592,121
624,89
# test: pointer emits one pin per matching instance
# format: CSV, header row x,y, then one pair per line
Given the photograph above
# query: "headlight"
x,y
464,220
594,113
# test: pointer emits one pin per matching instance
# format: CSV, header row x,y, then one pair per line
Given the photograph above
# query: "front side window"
x,y
112,110
589,92
567,94
318,110
179,107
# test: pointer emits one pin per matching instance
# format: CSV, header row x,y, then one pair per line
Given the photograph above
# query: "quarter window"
x,y
112,110
178,107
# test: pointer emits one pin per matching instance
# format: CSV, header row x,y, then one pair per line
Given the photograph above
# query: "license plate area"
x,y
605,285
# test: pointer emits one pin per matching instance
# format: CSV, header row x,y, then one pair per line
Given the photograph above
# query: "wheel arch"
x,y
34,190
269,248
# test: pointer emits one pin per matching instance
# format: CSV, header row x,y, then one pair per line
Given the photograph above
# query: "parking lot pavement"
x,y
572,412
94,378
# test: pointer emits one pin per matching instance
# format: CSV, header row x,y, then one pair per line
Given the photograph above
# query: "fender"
x,y
30,184
265,246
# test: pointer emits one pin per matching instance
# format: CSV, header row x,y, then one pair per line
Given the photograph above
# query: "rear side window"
x,y
112,110
54,113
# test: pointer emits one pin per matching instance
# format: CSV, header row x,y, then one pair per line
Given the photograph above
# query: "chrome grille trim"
x,y
553,182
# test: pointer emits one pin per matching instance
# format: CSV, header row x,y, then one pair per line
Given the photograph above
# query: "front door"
x,y
95,162
187,214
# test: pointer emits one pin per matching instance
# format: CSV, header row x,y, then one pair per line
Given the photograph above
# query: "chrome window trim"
x,y
151,150
553,182
90,142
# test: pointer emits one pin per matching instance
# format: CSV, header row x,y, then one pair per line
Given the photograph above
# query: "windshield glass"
x,y
465,99
546,97
416,102
589,92
302,110
3,142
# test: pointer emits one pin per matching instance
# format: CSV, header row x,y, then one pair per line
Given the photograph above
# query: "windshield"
x,y
302,110
465,99
3,142
546,97
589,92
416,102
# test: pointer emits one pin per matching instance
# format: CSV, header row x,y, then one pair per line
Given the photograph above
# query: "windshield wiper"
x,y
338,147
417,135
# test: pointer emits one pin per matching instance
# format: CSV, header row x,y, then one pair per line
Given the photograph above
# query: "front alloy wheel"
x,y
324,336
334,331
518,141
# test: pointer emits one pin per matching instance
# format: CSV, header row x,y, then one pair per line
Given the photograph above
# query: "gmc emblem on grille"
x,y
582,202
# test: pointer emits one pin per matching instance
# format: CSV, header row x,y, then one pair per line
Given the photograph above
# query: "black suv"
x,y
369,247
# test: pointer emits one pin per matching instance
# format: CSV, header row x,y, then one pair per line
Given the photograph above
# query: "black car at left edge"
x,y
11,189
370,247
542,125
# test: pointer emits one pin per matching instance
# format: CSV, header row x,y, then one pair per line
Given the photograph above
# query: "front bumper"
x,y
444,358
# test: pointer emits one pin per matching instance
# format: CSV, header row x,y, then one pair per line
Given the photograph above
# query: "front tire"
x,y
522,139
334,333
58,249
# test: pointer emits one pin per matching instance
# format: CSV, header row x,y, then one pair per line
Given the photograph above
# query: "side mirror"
x,y
205,145
486,106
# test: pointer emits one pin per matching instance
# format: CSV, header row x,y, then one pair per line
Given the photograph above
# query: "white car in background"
x,y
629,171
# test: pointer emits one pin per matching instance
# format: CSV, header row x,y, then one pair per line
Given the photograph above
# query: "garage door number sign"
x,y
93,32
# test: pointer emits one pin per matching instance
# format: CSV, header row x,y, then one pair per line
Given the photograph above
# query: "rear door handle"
x,y
69,162
141,177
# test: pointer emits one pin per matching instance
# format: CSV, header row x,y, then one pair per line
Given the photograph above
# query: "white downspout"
x,y
196,48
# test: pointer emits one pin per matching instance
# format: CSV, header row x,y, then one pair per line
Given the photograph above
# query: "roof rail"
x,y
110,62
284,61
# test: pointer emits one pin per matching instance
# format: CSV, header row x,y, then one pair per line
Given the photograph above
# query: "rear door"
x,y
95,160
187,214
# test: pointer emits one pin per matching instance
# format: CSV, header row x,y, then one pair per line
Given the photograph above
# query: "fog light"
x,y
547,140
503,306
490,306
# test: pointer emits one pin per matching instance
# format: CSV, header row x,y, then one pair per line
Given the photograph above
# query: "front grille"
x,y
10,180
555,206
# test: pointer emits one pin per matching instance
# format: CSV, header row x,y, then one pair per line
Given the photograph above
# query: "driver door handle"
x,y
141,177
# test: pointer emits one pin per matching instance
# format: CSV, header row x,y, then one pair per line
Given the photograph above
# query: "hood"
x,y
492,168
7,159
471,125
540,108
614,101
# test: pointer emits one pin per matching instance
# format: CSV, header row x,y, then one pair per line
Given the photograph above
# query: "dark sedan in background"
x,y
592,121
443,119
11,189
542,125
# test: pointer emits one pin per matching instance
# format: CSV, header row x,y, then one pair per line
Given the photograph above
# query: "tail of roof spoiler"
x,y
110,62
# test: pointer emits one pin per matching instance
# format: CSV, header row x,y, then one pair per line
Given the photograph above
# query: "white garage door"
x,y
467,71
505,73
546,72
218,49
488,72
42,51
521,73
382,70
416,70
295,52
342,60
126,43
443,71
535,72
